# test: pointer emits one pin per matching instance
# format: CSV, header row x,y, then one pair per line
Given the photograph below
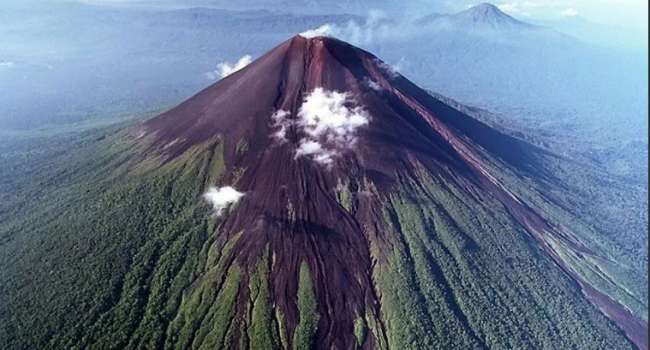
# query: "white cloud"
x,y
326,158
221,198
282,123
391,69
308,147
570,12
333,115
537,8
330,120
511,8
224,69
7,64
316,151
372,84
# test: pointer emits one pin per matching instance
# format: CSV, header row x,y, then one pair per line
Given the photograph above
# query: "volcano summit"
x,y
318,199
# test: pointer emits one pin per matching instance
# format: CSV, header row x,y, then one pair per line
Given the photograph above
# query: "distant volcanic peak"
x,y
484,11
489,15
486,8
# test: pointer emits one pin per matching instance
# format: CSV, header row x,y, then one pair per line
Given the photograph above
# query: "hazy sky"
x,y
624,13
613,12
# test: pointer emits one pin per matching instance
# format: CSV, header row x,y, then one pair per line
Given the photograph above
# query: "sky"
x,y
630,14
617,13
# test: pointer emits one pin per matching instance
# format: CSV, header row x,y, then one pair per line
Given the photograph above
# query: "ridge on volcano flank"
x,y
373,211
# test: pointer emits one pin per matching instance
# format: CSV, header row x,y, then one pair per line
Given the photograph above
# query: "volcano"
x,y
318,199
483,17
488,15
344,199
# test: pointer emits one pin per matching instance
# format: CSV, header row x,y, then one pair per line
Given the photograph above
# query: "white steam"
x,y
392,70
224,69
324,30
376,27
222,197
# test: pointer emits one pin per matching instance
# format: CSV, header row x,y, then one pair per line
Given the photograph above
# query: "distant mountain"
x,y
360,7
484,16
488,21
314,199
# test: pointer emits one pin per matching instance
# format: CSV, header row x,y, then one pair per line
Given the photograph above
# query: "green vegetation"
x,y
262,332
135,236
217,164
601,213
220,316
303,336
344,196
360,330
282,327
102,248
209,302
376,332
453,258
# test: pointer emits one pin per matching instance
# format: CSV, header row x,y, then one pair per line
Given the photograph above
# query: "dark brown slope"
x,y
281,78
291,204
